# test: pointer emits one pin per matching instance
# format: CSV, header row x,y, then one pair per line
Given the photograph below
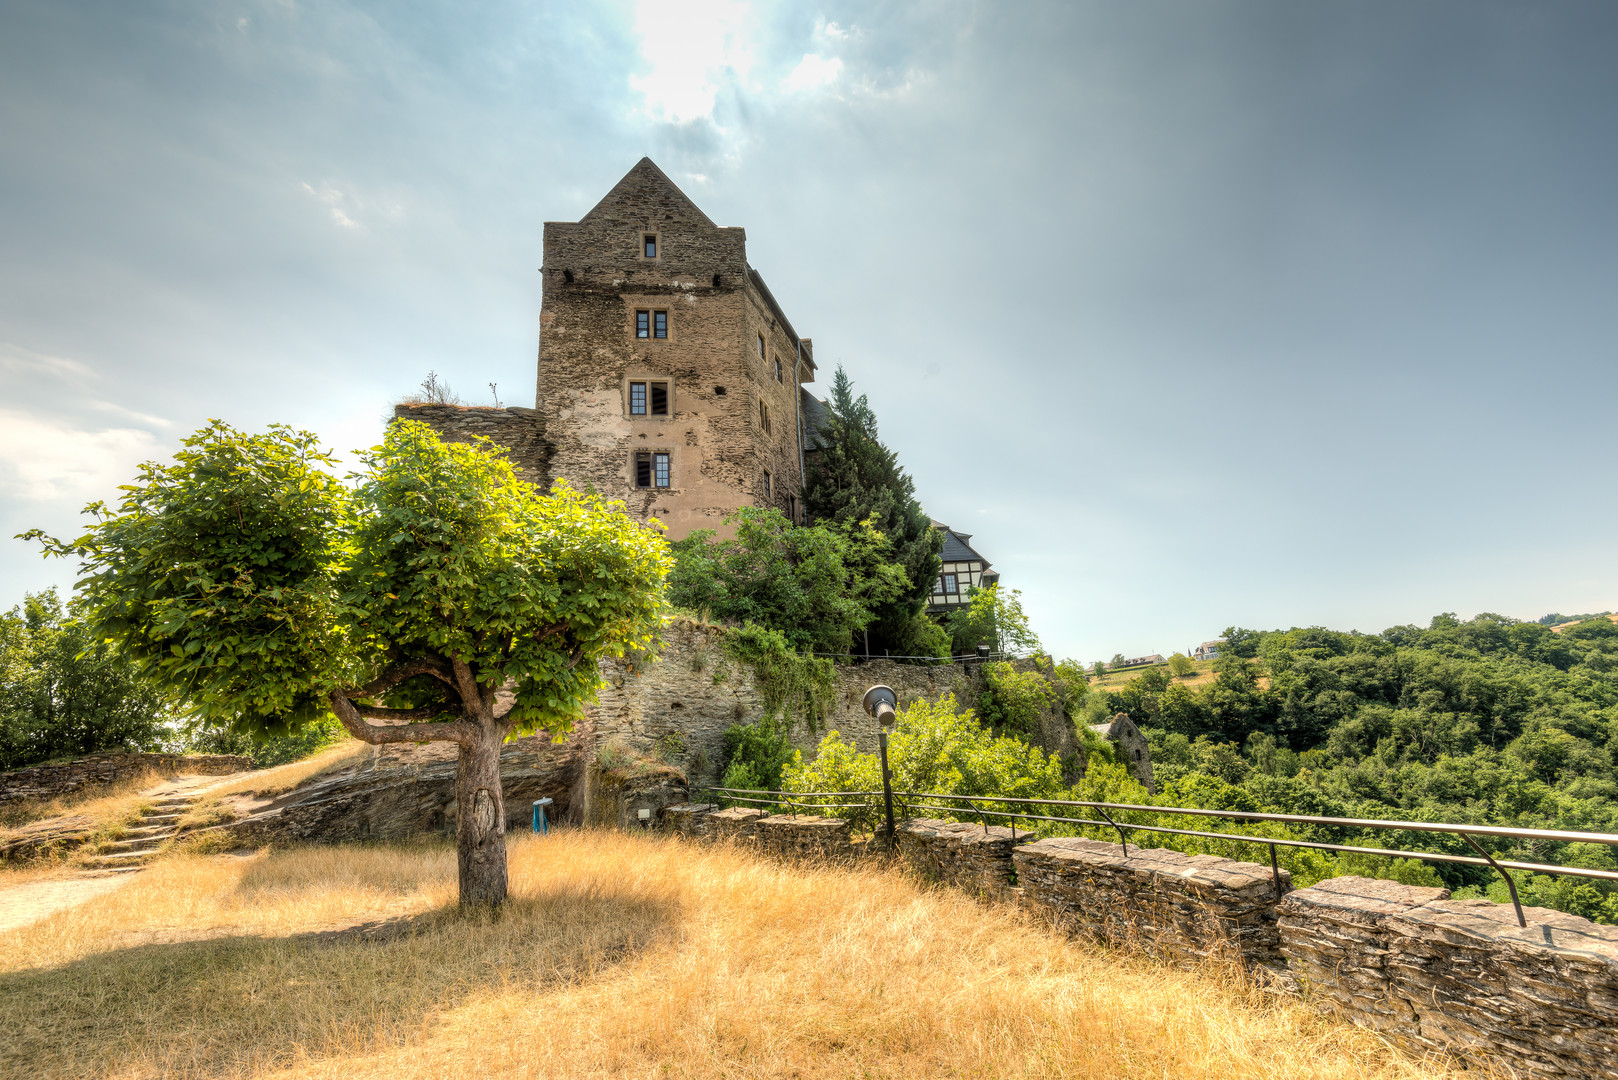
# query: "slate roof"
x,y
956,548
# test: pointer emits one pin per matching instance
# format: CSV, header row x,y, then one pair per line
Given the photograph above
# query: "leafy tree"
x,y
1181,665
856,479
1012,701
756,754
816,585
439,599
64,694
994,618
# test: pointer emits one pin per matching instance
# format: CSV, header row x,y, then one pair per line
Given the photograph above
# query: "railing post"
x,y
887,783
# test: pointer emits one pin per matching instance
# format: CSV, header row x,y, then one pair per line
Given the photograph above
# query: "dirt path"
x,y
35,900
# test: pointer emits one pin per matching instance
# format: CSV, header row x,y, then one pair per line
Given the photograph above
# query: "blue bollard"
x,y
540,824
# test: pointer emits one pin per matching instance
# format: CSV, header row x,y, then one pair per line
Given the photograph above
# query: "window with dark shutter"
x,y
660,399
637,399
643,470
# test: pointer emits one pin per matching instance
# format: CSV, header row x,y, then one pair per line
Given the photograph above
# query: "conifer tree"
x,y
854,479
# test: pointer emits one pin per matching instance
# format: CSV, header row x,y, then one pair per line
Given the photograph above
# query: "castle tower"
x,y
669,377
668,374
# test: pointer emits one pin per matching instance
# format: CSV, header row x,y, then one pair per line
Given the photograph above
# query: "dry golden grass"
x,y
621,955
284,778
100,802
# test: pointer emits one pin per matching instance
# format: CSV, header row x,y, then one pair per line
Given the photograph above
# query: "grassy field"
x,y
621,955
1201,676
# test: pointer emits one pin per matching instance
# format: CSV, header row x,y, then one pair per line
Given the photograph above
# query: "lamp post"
x,y
879,702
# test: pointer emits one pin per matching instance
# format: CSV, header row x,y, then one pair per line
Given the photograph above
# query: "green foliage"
x,y
1181,665
1487,720
793,580
995,618
933,748
854,480
795,686
264,751
65,694
248,581
1012,701
757,754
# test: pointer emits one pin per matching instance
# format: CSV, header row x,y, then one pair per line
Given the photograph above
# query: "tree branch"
x,y
348,715
423,665
421,712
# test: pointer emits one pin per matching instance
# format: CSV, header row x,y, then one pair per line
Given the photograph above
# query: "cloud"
x,y
16,360
45,459
814,71
690,50
332,198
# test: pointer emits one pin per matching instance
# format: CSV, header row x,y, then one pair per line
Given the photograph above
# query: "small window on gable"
x,y
649,245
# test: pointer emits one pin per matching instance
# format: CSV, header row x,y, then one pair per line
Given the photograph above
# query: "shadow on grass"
x,y
235,1005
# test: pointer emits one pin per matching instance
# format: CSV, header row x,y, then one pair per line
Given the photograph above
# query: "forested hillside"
x,y
1489,721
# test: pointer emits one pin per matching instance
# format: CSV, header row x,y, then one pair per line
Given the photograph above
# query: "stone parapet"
x,y
803,836
53,781
736,823
1169,904
687,819
1459,976
964,856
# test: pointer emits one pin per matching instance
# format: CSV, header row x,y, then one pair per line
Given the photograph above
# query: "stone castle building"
x,y
669,376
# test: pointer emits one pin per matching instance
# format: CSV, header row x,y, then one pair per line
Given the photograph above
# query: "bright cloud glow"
x,y
691,49
333,199
814,71
45,458
21,362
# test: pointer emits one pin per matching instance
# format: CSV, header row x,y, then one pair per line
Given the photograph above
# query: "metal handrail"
x,y
1465,831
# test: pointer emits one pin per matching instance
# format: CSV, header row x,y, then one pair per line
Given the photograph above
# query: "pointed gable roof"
x,y
647,194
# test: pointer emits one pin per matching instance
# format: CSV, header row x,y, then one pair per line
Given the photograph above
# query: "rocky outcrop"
x,y
1459,976
1166,903
45,782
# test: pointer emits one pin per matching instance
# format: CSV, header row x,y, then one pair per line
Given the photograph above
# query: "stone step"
x,y
119,858
149,830
139,843
147,819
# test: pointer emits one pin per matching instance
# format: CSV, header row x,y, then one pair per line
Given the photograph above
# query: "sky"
x,y
1193,314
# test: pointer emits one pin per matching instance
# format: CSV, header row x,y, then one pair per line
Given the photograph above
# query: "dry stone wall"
x,y
53,781
1459,976
1167,903
967,857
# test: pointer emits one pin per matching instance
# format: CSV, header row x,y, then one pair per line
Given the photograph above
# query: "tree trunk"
x,y
480,826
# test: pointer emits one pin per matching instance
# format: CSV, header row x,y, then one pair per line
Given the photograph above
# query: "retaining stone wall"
x,y
52,781
787,836
1167,903
965,856
1459,976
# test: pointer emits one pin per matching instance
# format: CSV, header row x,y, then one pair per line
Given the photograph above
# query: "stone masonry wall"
x,y
519,432
53,781
1459,976
785,836
969,857
1168,904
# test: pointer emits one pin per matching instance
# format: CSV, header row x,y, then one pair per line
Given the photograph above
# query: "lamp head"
x,y
880,701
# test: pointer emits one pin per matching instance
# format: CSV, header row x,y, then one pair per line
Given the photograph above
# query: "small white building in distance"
x,y
1208,650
